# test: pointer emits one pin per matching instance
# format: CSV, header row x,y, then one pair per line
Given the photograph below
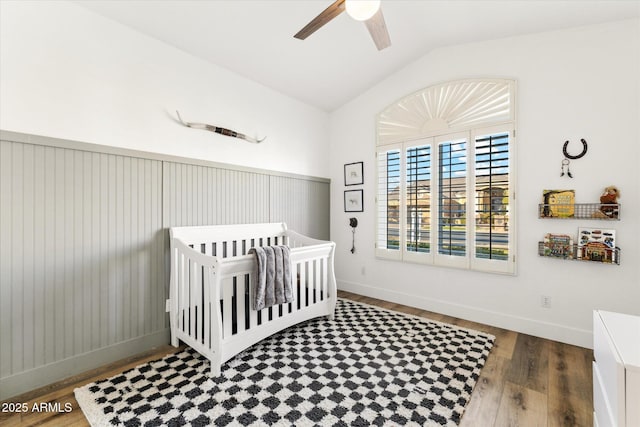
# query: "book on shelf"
x,y
596,244
558,203
558,245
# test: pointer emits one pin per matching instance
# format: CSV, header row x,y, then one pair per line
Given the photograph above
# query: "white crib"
x,y
211,276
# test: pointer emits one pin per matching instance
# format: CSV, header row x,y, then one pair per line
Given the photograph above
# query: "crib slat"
x,y
206,291
227,307
184,295
193,291
295,274
310,278
317,284
276,311
310,281
318,279
253,314
325,279
314,280
303,284
208,249
263,315
240,307
199,303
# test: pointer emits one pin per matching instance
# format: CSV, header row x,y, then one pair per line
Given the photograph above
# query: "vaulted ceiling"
x,y
254,38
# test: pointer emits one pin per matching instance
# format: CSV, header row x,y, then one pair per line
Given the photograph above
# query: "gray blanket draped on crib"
x,y
272,276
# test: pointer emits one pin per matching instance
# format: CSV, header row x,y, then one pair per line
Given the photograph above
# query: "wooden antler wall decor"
x,y
221,131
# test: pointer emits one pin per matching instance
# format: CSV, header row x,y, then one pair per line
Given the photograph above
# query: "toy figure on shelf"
x,y
609,200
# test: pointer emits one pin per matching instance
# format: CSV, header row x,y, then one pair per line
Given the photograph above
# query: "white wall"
x,y
68,73
572,84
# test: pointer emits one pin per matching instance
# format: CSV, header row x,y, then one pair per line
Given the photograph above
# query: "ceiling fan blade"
x,y
378,30
316,23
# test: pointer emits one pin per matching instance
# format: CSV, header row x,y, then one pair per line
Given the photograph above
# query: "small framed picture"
x,y
353,201
353,174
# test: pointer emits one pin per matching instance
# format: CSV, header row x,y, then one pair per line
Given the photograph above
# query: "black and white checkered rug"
x,y
367,367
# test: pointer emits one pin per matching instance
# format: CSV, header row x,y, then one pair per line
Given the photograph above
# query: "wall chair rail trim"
x,y
24,138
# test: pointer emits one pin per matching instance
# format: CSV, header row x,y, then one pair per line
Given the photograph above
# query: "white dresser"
x,y
616,369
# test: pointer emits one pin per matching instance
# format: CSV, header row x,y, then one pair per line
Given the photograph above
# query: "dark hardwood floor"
x,y
527,381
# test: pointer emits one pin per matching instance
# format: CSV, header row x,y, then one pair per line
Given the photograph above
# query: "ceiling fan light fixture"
x,y
361,10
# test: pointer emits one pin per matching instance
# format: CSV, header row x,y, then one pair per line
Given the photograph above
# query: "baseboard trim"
x,y
547,330
23,382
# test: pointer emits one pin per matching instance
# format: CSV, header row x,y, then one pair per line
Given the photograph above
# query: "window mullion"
x,y
402,216
388,183
435,204
471,198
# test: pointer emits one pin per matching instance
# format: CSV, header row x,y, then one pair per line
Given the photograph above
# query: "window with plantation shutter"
x,y
418,199
445,179
452,197
388,234
492,196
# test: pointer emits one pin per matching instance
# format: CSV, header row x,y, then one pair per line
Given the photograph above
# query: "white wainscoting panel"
x,y
81,253
84,245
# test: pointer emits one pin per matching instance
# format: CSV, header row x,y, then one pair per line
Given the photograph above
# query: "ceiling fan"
x,y
368,11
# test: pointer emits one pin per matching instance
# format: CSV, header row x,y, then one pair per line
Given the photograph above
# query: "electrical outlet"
x,y
545,301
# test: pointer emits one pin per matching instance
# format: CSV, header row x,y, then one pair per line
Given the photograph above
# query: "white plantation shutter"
x,y
447,107
388,203
492,195
493,188
418,194
452,197
445,178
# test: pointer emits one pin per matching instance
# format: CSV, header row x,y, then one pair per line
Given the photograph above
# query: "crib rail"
x,y
230,240
211,284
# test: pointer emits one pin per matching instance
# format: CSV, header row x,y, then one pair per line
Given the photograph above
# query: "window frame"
x,y
433,257
434,136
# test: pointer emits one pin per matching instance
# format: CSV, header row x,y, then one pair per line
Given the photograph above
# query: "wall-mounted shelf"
x,y
575,252
604,211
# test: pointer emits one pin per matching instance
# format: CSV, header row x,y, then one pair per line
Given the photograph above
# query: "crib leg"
x,y
215,369
174,339
216,364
